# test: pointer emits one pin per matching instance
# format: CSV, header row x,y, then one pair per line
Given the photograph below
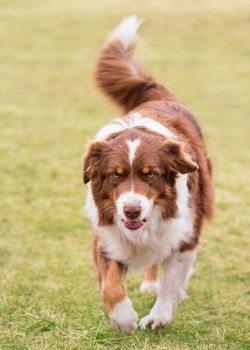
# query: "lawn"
x,y
49,109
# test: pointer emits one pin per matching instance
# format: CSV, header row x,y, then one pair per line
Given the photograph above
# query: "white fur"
x,y
133,198
176,275
134,119
136,248
132,146
126,31
150,286
154,241
124,316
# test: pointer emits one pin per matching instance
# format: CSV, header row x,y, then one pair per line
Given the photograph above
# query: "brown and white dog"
x,y
149,186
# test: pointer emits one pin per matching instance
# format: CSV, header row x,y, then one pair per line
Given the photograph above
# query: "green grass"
x,y
49,109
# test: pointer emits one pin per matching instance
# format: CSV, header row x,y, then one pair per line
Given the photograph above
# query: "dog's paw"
x,y
156,318
150,287
124,316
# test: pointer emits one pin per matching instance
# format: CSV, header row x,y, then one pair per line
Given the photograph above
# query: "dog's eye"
x,y
151,174
115,176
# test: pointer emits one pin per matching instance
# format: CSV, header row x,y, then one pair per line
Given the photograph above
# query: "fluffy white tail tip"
x,y
126,31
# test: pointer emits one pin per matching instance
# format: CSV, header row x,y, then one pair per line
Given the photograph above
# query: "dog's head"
x,y
133,174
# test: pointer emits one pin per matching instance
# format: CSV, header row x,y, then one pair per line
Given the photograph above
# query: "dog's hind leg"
x,y
111,276
151,283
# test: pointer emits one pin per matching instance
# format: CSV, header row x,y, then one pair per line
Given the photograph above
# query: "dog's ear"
x,y
95,152
176,158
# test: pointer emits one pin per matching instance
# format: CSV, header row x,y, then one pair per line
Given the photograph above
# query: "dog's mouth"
x,y
133,224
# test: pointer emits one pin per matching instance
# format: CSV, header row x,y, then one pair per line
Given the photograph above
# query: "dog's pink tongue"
x,y
133,225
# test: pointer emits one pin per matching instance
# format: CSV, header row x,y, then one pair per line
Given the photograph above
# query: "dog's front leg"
x,y
177,271
111,277
114,295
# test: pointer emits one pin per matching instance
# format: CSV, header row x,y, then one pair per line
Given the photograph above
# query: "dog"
x,y
149,185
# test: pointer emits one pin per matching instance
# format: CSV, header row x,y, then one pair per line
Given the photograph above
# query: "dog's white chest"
x,y
158,244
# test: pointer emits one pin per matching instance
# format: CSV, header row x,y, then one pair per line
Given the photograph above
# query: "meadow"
x,y
50,109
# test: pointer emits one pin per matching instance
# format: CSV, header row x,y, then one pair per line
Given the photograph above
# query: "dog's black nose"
x,y
132,211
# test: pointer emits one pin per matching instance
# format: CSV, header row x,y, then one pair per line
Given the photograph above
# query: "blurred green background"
x,y
49,109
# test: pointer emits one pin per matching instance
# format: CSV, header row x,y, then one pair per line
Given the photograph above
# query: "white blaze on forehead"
x,y
135,119
132,147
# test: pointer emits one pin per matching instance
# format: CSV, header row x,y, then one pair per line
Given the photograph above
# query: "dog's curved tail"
x,y
120,76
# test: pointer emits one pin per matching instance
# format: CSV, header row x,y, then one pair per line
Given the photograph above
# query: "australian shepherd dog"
x,y
149,186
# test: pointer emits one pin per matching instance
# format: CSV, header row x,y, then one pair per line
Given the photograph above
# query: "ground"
x,y
49,109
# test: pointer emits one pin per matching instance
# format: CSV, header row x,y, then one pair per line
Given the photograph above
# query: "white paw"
x,y
156,318
150,287
124,316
